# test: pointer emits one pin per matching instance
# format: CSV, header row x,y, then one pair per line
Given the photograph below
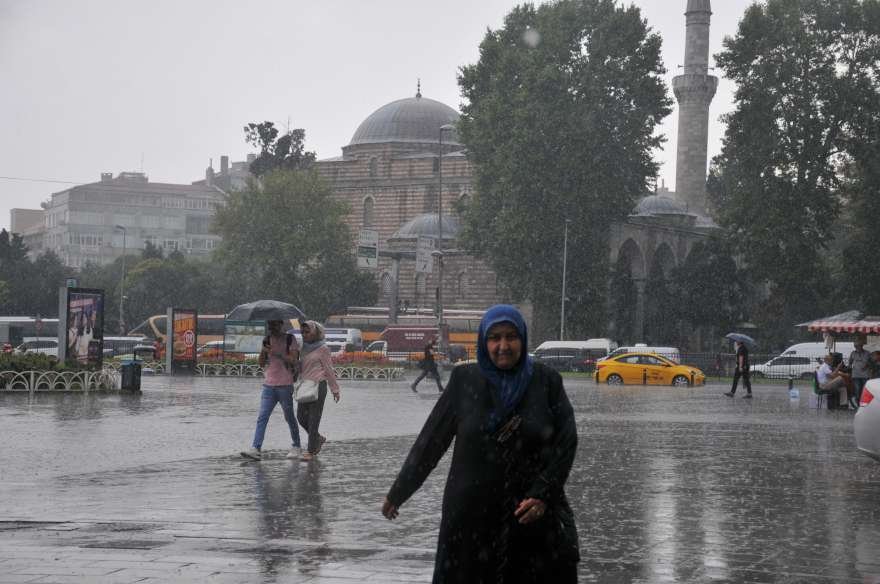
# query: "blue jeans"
x,y
271,395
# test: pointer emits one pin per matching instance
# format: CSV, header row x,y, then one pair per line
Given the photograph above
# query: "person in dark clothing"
x,y
742,370
429,367
505,517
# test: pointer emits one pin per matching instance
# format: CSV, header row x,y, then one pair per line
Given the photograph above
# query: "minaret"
x,y
694,91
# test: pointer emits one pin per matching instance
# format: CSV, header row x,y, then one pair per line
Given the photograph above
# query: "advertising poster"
x,y
184,329
85,326
243,339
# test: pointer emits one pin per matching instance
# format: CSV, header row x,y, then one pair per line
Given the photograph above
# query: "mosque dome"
x,y
414,119
427,225
654,205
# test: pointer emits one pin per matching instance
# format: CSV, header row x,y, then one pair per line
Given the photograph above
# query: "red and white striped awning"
x,y
868,327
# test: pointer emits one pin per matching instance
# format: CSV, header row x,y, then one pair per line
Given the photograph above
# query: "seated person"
x,y
831,379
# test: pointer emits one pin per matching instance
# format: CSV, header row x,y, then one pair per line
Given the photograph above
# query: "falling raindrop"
x,y
532,37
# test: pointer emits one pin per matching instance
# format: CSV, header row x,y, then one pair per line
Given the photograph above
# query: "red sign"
x,y
184,337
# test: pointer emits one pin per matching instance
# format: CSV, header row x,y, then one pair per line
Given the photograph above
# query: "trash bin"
x,y
131,376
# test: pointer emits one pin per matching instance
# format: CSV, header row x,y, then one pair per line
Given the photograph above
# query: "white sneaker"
x,y
252,453
295,452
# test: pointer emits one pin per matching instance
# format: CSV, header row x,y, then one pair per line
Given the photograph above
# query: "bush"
x,y
34,362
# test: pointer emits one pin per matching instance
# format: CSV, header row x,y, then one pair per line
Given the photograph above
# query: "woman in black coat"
x,y
505,515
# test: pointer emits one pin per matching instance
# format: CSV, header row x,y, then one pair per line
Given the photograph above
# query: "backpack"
x,y
289,339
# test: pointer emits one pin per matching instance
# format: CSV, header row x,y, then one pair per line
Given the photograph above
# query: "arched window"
x,y
387,284
368,212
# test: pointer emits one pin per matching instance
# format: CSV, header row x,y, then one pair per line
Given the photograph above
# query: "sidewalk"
x,y
669,485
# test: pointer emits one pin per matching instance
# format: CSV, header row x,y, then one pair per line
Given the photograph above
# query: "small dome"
x,y
660,205
414,119
428,226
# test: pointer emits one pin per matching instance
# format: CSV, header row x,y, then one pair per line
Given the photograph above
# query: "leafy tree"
x,y
806,70
287,152
560,123
717,289
152,251
285,238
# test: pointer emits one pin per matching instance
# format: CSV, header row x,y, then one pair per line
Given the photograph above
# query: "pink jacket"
x,y
317,366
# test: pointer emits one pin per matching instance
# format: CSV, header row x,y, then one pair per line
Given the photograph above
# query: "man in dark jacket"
x,y
742,370
429,367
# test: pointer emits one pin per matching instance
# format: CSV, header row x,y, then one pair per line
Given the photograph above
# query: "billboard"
x,y
184,331
84,342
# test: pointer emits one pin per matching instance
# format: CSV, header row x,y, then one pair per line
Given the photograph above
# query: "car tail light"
x,y
867,397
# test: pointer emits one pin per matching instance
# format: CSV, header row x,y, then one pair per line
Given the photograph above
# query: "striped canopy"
x,y
868,327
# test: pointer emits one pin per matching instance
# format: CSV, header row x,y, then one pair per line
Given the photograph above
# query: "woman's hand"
x,y
389,510
530,510
336,396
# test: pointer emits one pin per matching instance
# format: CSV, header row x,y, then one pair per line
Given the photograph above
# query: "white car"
x,y
44,345
786,366
867,420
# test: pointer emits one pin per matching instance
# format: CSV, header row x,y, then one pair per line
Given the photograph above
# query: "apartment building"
x,y
96,222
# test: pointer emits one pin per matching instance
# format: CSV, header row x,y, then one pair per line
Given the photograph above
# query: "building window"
x,y
436,167
421,285
152,240
368,212
387,284
170,244
374,167
461,285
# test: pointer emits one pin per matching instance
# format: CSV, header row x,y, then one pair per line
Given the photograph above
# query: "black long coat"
x,y
480,542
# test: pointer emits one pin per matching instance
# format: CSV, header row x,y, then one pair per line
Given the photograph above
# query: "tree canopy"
x,y
795,151
559,121
284,152
284,237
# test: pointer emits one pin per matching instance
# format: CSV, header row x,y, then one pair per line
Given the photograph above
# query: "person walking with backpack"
x,y
280,358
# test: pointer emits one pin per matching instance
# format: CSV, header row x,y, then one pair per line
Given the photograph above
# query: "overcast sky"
x,y
93,86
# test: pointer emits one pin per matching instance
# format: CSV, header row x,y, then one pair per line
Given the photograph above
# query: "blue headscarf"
x,y
511,383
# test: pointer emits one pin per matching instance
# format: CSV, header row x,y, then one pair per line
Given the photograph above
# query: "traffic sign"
x,y
71,283
424,257
368,249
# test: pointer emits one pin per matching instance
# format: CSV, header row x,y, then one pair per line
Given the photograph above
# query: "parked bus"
x,y
13,329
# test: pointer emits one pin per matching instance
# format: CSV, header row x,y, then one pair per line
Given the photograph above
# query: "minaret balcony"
x,y
694,87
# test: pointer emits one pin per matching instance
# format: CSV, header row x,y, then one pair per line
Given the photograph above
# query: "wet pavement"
x,y
669,485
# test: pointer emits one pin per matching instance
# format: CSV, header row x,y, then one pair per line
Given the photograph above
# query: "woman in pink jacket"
x,y
315,364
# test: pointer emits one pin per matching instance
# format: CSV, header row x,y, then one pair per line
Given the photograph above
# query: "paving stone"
x,y
669,485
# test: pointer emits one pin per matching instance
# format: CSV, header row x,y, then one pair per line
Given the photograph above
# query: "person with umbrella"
x,y
280,358
742,365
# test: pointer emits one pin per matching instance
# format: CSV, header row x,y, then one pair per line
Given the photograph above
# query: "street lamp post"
x,y
443,128
564,262
122,284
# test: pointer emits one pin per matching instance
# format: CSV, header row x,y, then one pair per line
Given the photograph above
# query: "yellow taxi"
x,y
646,369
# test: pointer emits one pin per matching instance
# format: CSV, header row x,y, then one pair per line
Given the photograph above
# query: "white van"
x,y
573,355
818,350
337,339
671,353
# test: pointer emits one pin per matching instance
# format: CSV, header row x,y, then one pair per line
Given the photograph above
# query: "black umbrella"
x,y
266,310
739,337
